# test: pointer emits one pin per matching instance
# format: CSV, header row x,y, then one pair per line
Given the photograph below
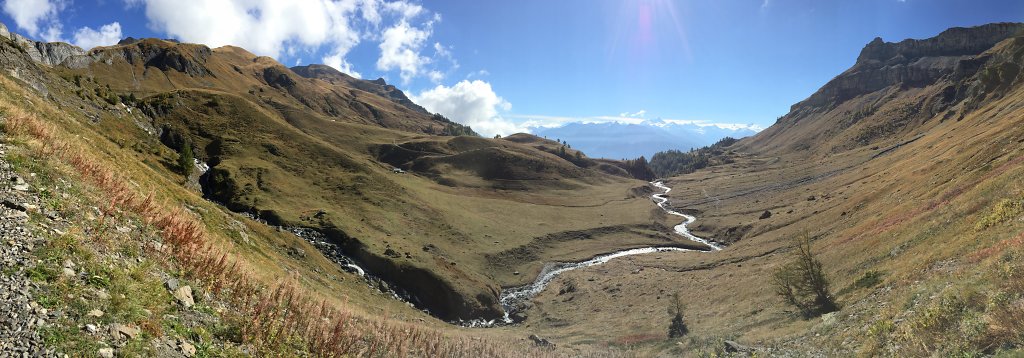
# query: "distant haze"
x,y
620,140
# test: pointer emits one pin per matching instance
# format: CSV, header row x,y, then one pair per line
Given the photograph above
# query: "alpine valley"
x,y
171,199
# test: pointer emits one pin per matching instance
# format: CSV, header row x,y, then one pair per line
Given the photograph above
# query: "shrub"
x,y
1005,210
870,279
802,282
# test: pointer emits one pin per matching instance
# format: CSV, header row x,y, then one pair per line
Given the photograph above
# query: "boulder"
x,y
541,342
733,347
184,296
120,331
187,349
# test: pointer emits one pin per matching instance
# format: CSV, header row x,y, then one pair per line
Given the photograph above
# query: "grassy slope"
x,y
380,321
917,244
330,166
288,161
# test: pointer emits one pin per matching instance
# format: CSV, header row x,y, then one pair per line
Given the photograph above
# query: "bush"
x,y
802,282
1004,211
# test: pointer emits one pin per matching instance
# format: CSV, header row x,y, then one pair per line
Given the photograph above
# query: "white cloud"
x,y
405,9
33,15
435,76
54,32
400,49
442,51
88,38
637,114
275,28
261,26
340,64
473,103
480,73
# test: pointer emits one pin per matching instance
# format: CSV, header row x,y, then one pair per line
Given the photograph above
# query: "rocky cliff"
x,y
895,90
914,63
48,53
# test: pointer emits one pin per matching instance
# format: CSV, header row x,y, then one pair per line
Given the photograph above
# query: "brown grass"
x,y
276,316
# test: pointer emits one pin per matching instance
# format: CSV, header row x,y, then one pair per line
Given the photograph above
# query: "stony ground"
x,y
27,222
20,315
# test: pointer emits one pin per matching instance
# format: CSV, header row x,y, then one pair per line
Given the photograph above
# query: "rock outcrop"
x,y
913,63
47,53
896,90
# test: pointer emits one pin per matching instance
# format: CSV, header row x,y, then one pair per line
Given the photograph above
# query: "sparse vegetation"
x,y
802,282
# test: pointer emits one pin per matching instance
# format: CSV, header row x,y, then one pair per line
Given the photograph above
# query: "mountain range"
x,y
616,140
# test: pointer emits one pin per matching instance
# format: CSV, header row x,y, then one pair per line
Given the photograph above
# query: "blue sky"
x,y
503,66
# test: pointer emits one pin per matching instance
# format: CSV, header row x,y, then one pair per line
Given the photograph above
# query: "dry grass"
x,y
278,319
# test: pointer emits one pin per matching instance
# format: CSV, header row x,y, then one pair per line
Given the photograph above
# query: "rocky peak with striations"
x,y
47,53
957,41
911,63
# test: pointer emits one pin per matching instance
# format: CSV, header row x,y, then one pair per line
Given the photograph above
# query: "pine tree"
x,y
803,284
677,327
186,161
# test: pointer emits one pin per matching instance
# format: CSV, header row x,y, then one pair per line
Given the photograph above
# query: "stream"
x,y
515,299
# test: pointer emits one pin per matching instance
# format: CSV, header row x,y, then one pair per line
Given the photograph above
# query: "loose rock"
x,y
184,296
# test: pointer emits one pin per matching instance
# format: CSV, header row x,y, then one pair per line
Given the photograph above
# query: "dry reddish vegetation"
x,y
274,318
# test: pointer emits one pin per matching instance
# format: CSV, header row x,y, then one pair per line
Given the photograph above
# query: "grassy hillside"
x,y
915,216
469,216
903,172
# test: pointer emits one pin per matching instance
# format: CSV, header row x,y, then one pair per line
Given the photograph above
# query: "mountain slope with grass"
x,y
902,173
311,213
291,194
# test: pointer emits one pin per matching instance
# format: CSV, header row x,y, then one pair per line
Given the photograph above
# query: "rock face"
x,y
895,90
910,62
47,53
957,41
187,58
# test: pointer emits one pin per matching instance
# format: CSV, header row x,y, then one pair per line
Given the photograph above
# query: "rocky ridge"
x,y
48,53
895,90
912,63
378,86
